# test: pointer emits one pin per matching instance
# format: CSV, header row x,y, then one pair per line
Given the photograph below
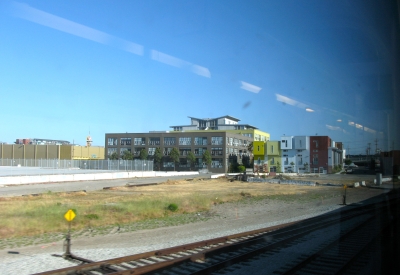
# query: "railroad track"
x,y
347,231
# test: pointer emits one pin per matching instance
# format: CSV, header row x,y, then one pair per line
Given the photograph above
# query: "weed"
x,y
172,207
92,216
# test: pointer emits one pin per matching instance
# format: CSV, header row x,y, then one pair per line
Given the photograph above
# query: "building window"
x,y
139,141
152,151
216,151
110,151
299,150
199,151
216,141
137,150
315,159
315,151
122,150
235,142
112,141
154,141
216,163
272,148
167,151
199,163
184,151
285,150
126,141
169,141
185,140
272,161
200,141
184,163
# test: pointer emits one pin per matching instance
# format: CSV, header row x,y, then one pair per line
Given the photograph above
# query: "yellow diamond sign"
x,y
70,215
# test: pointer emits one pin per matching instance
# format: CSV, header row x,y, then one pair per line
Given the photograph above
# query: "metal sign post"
x,y
69,216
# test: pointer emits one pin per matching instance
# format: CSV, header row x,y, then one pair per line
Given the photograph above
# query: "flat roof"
x,y
227,116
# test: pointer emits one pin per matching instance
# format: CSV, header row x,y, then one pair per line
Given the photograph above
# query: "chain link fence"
x,y
125,165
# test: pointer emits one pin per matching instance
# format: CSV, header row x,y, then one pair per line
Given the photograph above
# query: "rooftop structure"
x,y
225,123
220,123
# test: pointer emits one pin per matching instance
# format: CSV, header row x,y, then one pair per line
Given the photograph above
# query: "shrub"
x,y
241,168
172,207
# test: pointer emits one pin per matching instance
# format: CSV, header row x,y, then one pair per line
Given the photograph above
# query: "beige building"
x,y
31,151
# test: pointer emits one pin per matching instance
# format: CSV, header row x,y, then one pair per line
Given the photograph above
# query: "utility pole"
x,y
369,149
376,146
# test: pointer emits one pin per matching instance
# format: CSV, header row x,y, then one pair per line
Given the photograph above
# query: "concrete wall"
x,y
15,180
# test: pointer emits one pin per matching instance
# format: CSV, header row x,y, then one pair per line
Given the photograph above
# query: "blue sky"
x,y
73,67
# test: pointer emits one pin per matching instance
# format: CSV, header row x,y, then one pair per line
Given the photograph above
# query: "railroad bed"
x,y
350,241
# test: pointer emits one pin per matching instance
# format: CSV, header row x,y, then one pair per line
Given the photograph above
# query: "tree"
x,y
143,154
158,157
207,157
306,166
278,167
191,158
114,156
127,155
292,163
174,155
250,147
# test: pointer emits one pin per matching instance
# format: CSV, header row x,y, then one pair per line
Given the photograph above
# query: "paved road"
x,y
28,189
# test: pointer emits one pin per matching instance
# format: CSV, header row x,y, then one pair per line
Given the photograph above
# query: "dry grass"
x,y
35,215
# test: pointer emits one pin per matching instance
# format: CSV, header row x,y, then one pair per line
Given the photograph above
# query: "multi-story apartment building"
x,y
225,123
224,147
295,153
324,154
